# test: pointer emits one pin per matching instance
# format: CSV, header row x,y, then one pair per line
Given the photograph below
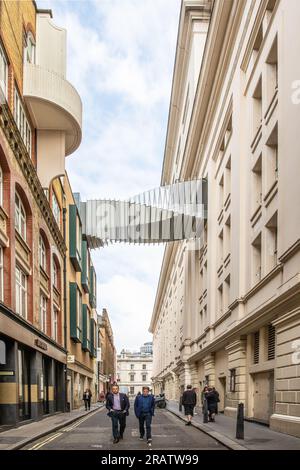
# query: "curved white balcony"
x,y
54,104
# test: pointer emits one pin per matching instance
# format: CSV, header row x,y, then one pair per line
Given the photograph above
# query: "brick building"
x,y
40,122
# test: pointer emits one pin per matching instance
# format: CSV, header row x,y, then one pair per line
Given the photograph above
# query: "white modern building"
x,y
134,371
228,312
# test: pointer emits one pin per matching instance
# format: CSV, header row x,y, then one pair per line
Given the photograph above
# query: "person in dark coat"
x,y
118,406
144,410
189,401
87,396
212,403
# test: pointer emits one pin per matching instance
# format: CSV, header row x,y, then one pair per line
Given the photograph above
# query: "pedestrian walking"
x,y
118,405
205,389
212,403
217,398
87,396
189,401
144,411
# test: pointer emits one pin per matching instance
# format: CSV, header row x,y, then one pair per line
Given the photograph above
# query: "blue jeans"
x,y
145,417
118,417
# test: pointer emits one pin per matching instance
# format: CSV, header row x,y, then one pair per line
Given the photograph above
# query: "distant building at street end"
x,y
134,369
106,357
147,348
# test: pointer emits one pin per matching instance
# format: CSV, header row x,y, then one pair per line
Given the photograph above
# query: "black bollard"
x,y
240,422
205,411
180,404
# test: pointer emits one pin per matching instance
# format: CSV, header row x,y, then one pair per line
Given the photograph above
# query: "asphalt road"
x,y
93,432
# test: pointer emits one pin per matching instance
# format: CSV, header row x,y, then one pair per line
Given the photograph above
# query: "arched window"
x,y
20,217
1,186
42,253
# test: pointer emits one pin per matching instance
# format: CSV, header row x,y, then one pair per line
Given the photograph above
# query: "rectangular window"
x,y
144,377
271,342
131,366
256,348
55,275
232,380
131,377
43,313
21,293
79,312
3,73
131,390
1,274
20,217
42,253
22,122
55,208
144,367
55,324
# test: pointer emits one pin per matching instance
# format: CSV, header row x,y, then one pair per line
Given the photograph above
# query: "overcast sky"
x,y
120,57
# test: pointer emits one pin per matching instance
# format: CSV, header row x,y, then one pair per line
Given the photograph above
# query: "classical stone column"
x,y
236,383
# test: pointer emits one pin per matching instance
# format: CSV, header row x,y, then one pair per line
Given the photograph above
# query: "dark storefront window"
x,y
24,384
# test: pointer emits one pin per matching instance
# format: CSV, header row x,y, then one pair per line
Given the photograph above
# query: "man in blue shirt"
x,y
144,410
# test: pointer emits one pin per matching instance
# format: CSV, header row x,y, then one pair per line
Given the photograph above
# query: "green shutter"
x,y
84,273
93,287
93,350
84,327
73,311
73,252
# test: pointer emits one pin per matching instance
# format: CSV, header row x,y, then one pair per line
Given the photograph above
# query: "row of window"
x,y
133,379
22,301
144,366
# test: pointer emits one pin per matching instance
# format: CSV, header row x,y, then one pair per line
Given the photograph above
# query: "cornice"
x,y
13,137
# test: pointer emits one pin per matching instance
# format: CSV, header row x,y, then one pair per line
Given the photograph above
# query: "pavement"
x,y
18,437
94,432
256,436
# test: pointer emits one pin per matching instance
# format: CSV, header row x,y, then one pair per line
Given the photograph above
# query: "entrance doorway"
x,y
222,394
263,396
46,373
24,384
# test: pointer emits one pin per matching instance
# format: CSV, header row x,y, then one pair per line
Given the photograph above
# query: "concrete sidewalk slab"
x,y
257,436
16,438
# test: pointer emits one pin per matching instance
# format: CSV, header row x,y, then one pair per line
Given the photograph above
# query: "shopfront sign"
x,y
41,344
70,358
7,373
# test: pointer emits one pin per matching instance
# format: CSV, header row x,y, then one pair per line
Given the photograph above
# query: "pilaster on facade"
x,y
236,392
209,369
287,374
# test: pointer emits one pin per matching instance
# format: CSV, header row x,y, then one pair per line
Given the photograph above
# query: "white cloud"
x,y
120,59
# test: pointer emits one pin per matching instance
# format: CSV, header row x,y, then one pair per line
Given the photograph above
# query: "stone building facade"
x,y
227,312
134,370
106,360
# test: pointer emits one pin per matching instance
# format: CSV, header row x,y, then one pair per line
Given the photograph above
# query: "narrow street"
x,y
94,433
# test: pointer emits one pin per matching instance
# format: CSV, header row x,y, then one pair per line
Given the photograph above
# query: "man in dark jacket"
x,y
118,406
189,400
144,410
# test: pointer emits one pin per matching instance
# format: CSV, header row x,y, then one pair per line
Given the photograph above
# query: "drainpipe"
x,y
65,304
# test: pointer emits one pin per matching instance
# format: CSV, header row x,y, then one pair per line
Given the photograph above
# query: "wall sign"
x,y
41,344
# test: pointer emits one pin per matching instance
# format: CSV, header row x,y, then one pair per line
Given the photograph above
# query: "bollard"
x,y
240,422
180,404
205,411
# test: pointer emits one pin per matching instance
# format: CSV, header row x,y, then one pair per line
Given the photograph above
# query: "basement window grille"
x,y
256,348
271,342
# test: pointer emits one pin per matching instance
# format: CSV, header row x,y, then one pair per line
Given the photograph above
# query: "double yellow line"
x,y
67,429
